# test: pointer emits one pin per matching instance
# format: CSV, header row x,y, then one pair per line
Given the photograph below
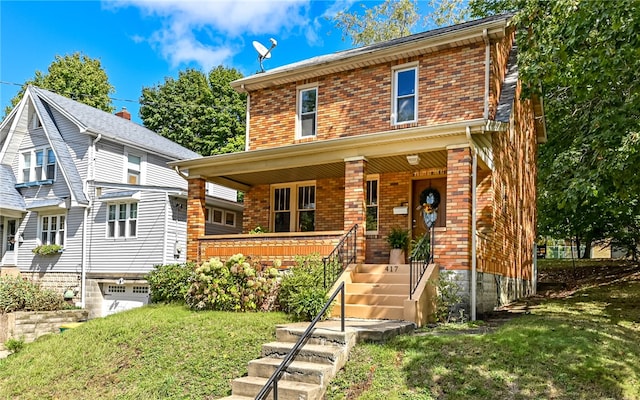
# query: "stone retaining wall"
x,y
29,325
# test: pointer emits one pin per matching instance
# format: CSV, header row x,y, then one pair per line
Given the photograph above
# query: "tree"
x,y
76,76
395,19
203,114
583,56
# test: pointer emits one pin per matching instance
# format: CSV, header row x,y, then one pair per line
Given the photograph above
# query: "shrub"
x,y
235,285
14,345
301,293
448,298
170,283
17,294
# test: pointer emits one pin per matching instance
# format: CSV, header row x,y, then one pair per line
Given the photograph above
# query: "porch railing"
x,y
421,256
341,256
272,383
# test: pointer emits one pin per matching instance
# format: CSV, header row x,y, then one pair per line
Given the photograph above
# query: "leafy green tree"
x,y
76,76
583,56
202,113
396,18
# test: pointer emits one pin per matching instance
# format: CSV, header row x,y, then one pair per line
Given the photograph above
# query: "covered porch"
x,y
303,198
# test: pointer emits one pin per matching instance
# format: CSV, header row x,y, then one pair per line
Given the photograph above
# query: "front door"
x,y
419,186
9,241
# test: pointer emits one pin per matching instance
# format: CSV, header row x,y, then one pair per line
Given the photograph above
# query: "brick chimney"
x,y
124,113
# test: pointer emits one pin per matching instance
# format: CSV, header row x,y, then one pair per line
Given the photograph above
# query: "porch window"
x,y
372,205
52,229
405,89
38,165
307,106
294,207
122,220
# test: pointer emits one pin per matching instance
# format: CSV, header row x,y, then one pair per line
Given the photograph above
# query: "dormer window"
x,y
307,111
405,94
35,121
38,165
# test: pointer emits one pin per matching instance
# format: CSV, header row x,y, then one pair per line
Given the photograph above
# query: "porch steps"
x,y
376,291
308,376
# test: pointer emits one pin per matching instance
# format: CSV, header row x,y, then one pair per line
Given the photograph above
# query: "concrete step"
x,y
390,277
377,288
287,390
382,268
234,397
318,336
368,312
322,354
297,371
377,299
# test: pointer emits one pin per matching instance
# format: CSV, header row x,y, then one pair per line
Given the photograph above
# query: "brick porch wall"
x,y
195,217
355,187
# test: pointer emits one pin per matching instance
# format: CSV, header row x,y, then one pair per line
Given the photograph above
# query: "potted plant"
x,y
47,249
398,240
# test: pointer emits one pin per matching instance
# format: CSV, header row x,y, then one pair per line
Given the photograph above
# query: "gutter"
x,y
487,63
83,278
474,227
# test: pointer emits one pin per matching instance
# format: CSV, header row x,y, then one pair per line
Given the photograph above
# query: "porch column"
x,y
195,217
355,169
453,247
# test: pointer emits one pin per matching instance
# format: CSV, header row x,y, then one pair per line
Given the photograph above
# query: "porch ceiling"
x,y
385,152
397,163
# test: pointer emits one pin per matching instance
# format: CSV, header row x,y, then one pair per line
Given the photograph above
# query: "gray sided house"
x,y
98,186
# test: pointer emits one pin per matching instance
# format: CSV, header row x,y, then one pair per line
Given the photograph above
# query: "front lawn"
x,y
154,352
584,344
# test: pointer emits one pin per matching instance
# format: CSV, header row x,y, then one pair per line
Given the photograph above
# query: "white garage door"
x,y
123,297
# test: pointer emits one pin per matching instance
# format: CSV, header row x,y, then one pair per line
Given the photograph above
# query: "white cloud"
x,y
210,32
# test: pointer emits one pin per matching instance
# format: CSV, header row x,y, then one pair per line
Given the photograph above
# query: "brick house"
x,y
359,137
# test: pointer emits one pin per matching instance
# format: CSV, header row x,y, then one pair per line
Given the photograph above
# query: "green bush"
x,y
17,294
47,249
301,293
235,285
14,345
170,283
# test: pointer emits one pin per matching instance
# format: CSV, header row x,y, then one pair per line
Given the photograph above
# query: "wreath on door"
x,y
429,200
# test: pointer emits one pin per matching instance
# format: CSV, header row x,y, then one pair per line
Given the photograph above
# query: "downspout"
x,y
487,63
247,120
83,278
474,221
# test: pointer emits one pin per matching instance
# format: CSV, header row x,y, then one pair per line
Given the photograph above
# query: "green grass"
x,y
154,352
586,346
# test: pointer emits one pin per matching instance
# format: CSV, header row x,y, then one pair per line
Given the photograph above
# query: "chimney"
x,y
124,113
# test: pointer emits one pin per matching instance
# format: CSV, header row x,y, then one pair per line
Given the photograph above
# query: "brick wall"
x,y
354,202
59,282
451,88
256,208
195,217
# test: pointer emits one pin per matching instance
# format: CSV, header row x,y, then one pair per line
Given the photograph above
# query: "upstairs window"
x,y
52,229
405,90
307,112
122,220
38,165
133,169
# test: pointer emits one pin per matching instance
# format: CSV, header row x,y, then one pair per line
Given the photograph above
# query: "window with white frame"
x,y
294,207
38,165
372,204
307,111
220,217
52,229
122,220
134,167
405,94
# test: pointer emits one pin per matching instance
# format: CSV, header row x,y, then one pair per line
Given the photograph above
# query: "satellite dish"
x,y
263,52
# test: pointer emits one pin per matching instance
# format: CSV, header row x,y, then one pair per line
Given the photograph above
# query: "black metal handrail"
x,y
341,256
420,258
272,383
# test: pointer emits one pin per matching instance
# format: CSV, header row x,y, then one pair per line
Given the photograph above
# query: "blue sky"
x,y
140,42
